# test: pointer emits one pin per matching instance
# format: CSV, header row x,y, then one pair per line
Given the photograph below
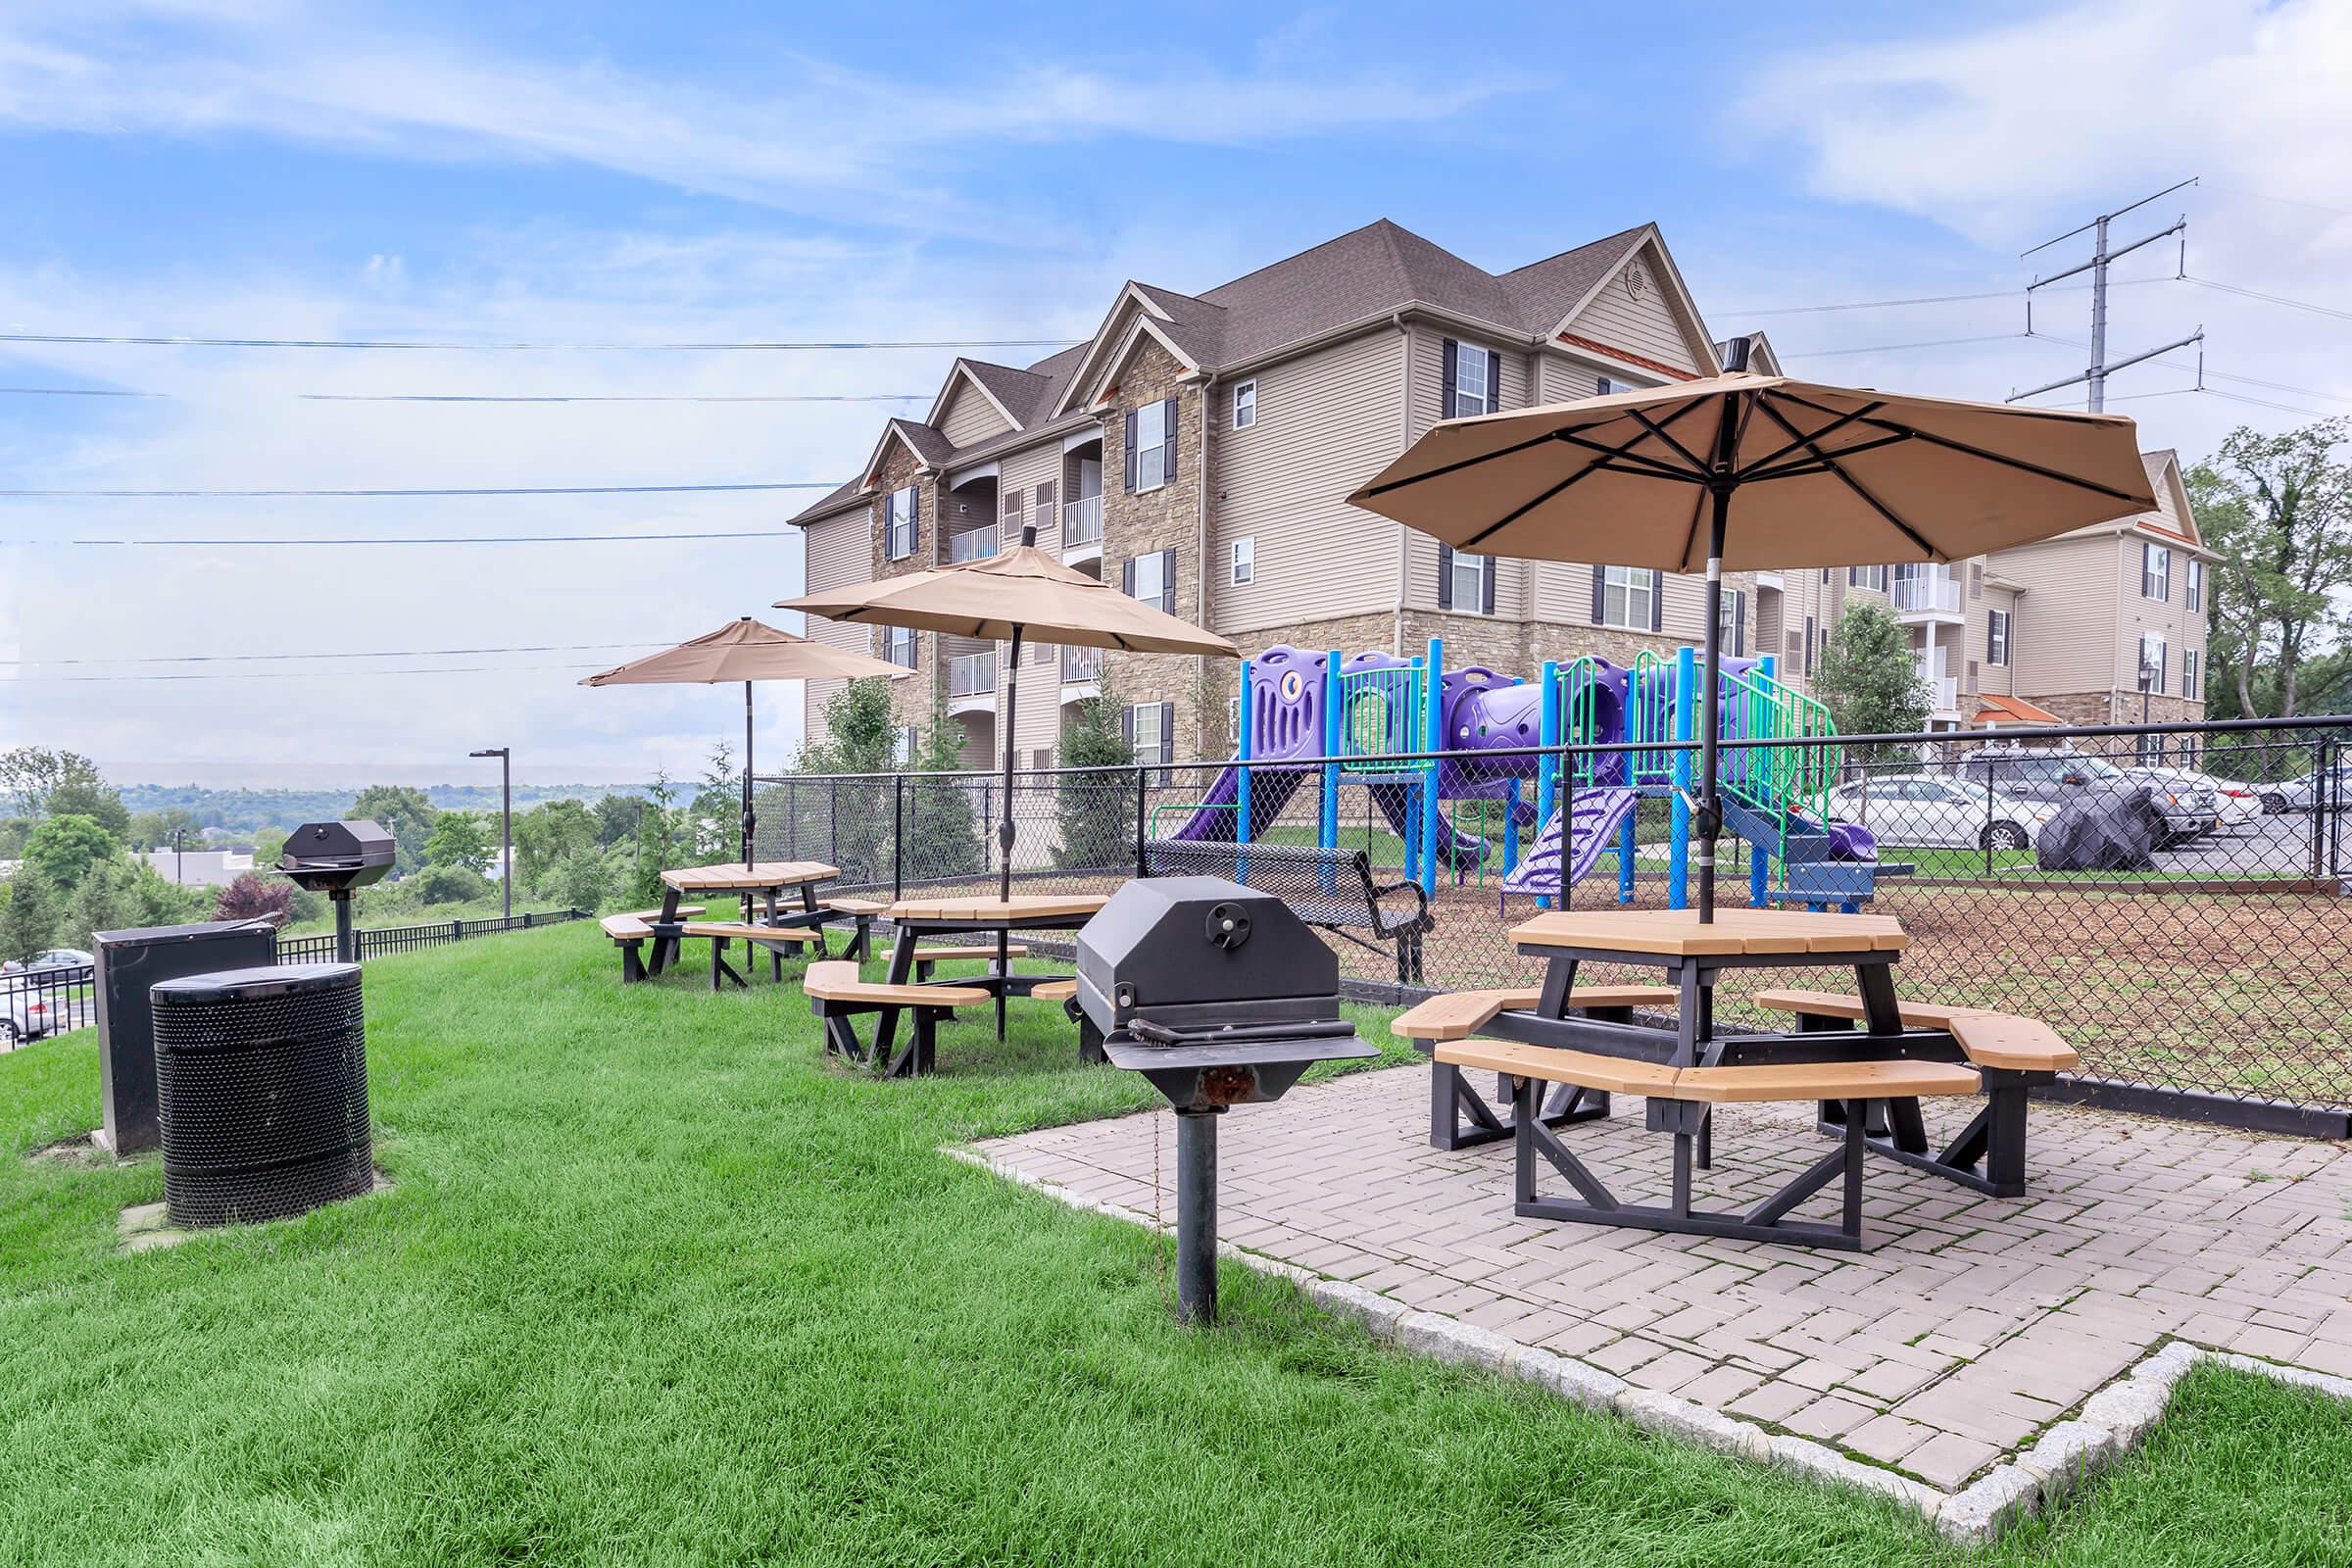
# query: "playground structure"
x,y
1471,736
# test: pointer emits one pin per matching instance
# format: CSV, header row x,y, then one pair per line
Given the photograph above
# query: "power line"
x,y
1895,348
472,397
396,652
1916,298
2315,309
461,539
288,674
345,495
112,340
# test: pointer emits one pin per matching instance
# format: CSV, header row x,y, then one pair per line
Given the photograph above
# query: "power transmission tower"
x,y
2100,366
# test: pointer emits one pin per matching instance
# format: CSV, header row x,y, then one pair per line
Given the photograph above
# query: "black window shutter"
x,y
1600,593
1740,620
1127,726
1130,453
1127,578
1444,576
1657,599
1453,353
1168,451
1167,582
1601,386
1487,588
1167,732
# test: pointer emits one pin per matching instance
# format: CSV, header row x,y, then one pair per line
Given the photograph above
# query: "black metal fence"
x,y
2172,899
49,1000
384,940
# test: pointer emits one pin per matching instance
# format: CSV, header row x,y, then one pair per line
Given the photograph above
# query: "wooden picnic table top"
x,y
1677,933
1021,906
737,878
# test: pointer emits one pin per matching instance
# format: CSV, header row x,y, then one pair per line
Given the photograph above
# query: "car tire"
x,y
9,1036
2003,836
2274,803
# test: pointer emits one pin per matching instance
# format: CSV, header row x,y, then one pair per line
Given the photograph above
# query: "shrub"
x,y
255,897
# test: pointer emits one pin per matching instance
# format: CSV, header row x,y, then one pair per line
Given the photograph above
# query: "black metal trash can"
x,y
261,1087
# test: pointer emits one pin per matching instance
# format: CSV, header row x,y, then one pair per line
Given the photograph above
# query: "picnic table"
x,y
765,883
1868,1081
986,916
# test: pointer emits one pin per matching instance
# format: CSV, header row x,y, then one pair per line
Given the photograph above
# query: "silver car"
x,y
38,996
1923,810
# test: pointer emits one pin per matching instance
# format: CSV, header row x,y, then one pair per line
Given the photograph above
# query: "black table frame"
x,y
811,915
1001,982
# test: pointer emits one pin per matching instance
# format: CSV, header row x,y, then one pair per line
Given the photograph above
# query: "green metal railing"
x,y
1379,714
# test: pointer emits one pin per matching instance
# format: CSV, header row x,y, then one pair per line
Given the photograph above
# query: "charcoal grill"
x,y
1220,996
336,858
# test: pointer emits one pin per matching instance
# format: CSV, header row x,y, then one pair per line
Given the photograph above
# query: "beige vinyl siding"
x,y
2065,628
1039,721
1992,678
2170,619
1326,422
969,418
1646,325
1513,592
839,551
1563,378
1024,472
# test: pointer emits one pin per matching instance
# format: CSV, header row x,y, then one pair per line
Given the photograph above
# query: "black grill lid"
x,y
327,855
1171,943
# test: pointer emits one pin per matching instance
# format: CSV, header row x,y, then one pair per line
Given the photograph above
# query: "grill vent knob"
x,y
1228,926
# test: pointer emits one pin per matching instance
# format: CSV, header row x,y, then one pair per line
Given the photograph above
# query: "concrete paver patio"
x,y
1973,1324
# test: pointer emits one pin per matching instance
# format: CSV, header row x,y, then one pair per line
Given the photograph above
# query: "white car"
x,y
1932,812
2235,803
37,995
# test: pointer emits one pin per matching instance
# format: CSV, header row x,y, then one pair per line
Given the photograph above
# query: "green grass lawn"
x,y
656,1285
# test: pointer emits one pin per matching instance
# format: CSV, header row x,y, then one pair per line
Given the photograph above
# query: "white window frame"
x,y
1245,404
890,645
1158,594
1146,753
1623,584
1996,642
1484,397
2155,566
2190,673
2194,592
1151,458
903,744
2156,666
891,517
1244,566
1475,602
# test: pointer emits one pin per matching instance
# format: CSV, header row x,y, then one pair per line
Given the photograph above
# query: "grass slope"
x,y
654,1285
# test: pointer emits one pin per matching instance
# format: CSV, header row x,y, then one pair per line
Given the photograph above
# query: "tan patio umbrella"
x,y
1018,592
1754,472
745,651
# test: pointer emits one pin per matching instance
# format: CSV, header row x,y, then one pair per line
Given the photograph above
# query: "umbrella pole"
x,y
1710,704
1012,701
747,775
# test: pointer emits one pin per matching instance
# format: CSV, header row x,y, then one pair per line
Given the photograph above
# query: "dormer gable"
x,y
1137,313
967,411
1640,313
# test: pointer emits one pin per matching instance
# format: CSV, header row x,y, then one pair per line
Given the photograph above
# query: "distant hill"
x,y
241,808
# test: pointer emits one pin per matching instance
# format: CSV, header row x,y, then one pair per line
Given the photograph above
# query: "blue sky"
x,y
609,173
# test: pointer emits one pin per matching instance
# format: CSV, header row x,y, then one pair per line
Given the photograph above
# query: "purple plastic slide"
x,y
1597,816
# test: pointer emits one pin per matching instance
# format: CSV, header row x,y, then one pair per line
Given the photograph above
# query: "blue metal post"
x,y
1241,786
1685,696
1434,691
1547,767
1626,838
1399,724
1327,824
1760,858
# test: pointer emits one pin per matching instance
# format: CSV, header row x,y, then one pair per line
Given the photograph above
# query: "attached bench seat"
x,y
837,993
629,933
773,938
861,915
1682,1101
2010,1053
1463,1013
1055,990
964,952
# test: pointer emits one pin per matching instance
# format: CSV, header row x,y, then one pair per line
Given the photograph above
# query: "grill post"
x,y
347,944
1197,1213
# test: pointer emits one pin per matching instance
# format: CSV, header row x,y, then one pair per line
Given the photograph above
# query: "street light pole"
x,y
505,833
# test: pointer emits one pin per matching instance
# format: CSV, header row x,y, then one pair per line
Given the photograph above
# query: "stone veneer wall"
x,y
900,468
1166,519
2120,708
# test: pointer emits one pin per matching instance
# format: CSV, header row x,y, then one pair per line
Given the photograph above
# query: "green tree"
x,y
850,820
28,914
31,774
2278,508
461,841
450,883
1868,679
944,838
65,847
544,835
145,897
861,732
617,819
585,879
402,812
94,798
1097,810
656,841
716,815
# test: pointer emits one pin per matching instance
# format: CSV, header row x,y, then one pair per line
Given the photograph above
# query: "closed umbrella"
x,y
1016,593
1754,472
745,651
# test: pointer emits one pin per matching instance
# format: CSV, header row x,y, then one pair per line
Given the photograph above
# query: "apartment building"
x,y
2103,625
1196,451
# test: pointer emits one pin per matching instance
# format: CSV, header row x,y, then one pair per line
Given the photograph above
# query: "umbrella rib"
x,y
1656,466
1667,437
1812,466
2017,464
1466,463
1855,485
1837,423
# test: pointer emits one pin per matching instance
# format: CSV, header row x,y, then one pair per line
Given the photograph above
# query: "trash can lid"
x,y
269,980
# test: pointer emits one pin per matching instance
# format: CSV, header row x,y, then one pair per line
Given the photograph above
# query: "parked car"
x,y
2302,794
1929,812
51,958
2053,778
37,993
2234,803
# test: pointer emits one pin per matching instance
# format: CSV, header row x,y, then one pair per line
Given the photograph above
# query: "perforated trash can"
x,y
261,1087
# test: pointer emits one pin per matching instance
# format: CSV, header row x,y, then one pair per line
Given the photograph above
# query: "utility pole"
x,y
2096,378
506,847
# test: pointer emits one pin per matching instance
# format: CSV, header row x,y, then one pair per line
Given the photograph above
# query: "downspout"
x,y
1202,553
1404,574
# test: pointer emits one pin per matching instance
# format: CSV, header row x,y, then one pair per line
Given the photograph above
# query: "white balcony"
x,y
1081,665
1082,525
974,675
1924,592
1944,691
973,544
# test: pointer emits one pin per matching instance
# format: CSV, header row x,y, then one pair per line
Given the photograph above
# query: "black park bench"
x,y
1330,889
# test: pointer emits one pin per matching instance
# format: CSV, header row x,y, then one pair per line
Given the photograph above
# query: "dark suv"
x,y
2056,777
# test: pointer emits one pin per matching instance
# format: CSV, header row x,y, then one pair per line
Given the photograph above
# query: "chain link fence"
x,y
2172,898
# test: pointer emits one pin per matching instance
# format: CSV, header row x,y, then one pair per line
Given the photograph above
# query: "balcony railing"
x,y
1937,591
1081,663
1944,691
972,674
1082,522
973,544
